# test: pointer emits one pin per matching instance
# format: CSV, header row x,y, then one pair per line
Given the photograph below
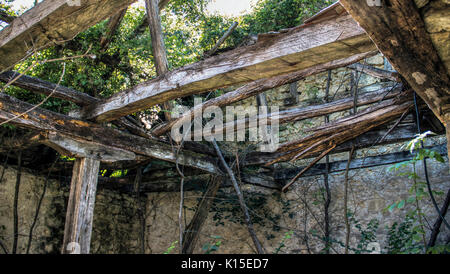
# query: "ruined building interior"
x,y
362,124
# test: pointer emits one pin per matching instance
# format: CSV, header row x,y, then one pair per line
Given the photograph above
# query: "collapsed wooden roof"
x,y
338,36
328,40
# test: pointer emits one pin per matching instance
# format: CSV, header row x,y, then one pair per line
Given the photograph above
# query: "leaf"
x,y
401,204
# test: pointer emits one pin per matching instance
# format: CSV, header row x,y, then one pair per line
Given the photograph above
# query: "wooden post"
x,y
80,209
158,47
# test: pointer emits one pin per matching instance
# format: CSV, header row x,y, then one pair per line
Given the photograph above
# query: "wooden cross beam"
x,y
292,50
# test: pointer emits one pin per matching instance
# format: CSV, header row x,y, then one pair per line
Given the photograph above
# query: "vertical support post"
x,y
158,47
80,209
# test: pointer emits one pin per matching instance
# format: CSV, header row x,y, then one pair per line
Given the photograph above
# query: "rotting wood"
x,y
358,163
399,33
300,113
375,72
368,139
39,86
49,23
79,148
48,121
193,230
80,208
320,43
158,47
259,86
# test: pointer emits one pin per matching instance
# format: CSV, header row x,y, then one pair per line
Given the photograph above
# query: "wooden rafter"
x,y
295,49
399,33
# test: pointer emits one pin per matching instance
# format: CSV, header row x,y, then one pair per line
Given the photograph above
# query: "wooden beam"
x,y
48,121
113,24
338,166
51,22
399,134
80,209
300,113
257,87
39,86
295,49
79,148
399,33
375,72
195,226
158,47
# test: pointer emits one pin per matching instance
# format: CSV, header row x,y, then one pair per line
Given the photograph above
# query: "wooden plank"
x,y
295,49
51,22
80,209
375,72
338,166
399,134
399,33
300,113
48,121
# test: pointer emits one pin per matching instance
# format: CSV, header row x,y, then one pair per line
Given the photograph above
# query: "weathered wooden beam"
x,y
375,72
79,148
300,113
80,209
257,87
368,139
158,47
39,86
296,49
338,166
51,22
48,121
398,30
195,226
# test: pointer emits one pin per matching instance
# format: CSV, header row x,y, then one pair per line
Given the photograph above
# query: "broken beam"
x,y
48,121
296,49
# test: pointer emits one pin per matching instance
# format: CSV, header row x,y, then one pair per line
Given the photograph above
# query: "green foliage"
x,y
209,248
171,247
408,236
367,234
287,236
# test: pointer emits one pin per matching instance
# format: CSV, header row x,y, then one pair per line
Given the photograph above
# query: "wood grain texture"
x,y
51,22
399,33
80,208
296,49
256,87
48,121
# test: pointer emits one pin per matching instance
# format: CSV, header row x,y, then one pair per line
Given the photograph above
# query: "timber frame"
x,y
339,36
